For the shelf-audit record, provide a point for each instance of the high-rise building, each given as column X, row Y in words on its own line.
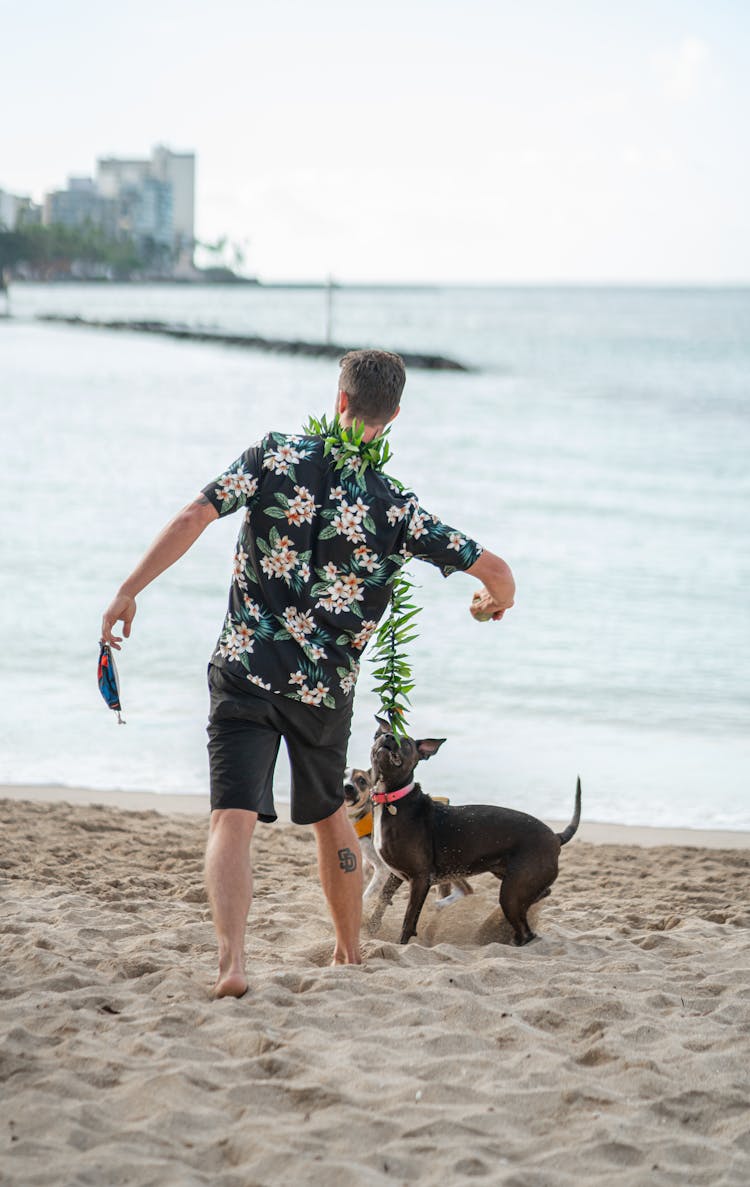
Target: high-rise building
column 159, row 197
column 15, row 211
column 79, row 206
column 151, row 200
column 178, row 171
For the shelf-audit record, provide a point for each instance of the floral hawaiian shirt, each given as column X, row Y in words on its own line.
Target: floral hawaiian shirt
column 316, row 557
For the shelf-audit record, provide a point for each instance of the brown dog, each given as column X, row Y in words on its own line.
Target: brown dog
column 358, row 786
column 423, row 842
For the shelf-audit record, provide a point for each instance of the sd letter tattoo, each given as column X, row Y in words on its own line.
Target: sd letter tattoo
column 347, row 861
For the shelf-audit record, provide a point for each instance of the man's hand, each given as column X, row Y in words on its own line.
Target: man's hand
column 498, row 588
column 121, row 609
column 484, row 607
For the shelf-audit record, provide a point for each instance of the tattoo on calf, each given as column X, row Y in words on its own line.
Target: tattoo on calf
column 347, row 861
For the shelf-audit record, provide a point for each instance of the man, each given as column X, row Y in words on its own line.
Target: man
column 324, row 536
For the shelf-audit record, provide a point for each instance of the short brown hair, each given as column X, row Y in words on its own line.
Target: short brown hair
column 373, row 380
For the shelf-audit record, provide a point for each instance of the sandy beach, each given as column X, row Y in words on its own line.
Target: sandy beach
column 615, row 1048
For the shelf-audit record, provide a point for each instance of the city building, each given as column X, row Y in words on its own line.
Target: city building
column 151, row 200
column 158, row 197
column 16, row 211
column 80, row 205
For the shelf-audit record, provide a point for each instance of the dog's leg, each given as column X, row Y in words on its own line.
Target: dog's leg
column 369, row 868
column 515, row 904
column 378, row 869
column 379, row 878
column 386, row 895
column 446, row 896
column 417, row 894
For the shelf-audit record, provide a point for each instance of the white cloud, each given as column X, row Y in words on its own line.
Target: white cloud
column 682, row 70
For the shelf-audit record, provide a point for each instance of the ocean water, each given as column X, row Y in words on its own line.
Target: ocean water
column 601, row 446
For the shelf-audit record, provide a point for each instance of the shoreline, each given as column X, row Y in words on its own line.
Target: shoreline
column 168, row 804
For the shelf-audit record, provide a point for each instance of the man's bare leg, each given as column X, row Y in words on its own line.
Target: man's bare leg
column 340, row 867
column 229, row 882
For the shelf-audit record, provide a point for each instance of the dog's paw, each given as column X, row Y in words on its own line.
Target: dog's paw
column 449, row 899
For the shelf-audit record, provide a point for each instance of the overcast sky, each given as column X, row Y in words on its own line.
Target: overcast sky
column 437, row 140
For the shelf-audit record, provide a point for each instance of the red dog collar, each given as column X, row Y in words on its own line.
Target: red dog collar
column 388, row 797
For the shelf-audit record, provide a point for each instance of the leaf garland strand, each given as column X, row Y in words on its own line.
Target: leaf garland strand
column 393, row 670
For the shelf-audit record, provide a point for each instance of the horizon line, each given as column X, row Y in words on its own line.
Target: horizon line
column 334, row 282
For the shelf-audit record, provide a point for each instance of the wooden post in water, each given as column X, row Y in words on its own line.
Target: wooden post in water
column 4, row 293
column 329, row 310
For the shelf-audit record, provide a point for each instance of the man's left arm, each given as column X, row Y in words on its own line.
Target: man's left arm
column 451, row 551
column 171, row 543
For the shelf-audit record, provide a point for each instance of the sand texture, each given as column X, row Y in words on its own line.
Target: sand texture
column 613, row 1050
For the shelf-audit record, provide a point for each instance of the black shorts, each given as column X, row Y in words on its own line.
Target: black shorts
column 245, row 728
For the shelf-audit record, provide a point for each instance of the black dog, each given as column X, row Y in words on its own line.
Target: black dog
column 423, row 842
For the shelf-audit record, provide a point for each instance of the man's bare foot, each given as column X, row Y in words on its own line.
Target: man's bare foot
column 344, row 958
column 230, row 985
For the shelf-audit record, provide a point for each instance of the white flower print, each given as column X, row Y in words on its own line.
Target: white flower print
column 417, row 524
column 315, row 652
column 337, row 492
column 304, row 571
column 348, row 520
column 252, row 608
column 348, row 681
column 366, row 559
column 360, row 640
column 228, row 648
column 301, row 508
column 279, row 460
column 347, row 525
column 456, row 541
column 236, row 640
column 310, row 696
column 330, row 571
column 299, row 624
column 313, row 696
column 238, row 571
column 260, row 683
column 235, row 484
column 396, row 513
column 244, row 634
column 282, row 560
column 340, row 595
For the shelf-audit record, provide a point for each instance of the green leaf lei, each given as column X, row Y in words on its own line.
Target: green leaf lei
column 393, row 670
column 349, row 447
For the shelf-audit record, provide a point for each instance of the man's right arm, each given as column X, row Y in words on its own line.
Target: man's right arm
column 171, row 543
column 499, row 587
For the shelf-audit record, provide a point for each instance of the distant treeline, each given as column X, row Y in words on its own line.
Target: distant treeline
column 54, row 252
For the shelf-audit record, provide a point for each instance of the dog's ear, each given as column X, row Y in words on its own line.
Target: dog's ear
column 426, row 747
column 384, row 726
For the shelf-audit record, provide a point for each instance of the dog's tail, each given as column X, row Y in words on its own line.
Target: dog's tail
column 572, row 828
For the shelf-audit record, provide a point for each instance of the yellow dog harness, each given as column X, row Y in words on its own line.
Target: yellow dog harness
column 363, row 827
